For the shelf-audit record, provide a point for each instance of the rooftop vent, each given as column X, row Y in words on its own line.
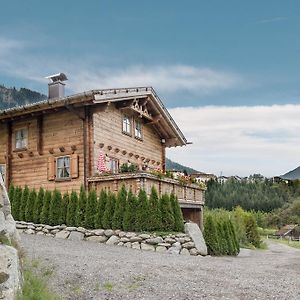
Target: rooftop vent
column 56, row 87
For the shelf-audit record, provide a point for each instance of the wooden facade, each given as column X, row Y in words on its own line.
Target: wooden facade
column 56, row 143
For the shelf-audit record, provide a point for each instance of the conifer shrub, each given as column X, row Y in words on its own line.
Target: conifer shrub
column 38, row 206
column 109, row 211
column 211, row 236
column 24, row 199
column 71, row 211
column 80, row 212
column 234, row 238
column 230, row 250
column 55, row 208
column 15, row 207
column 252, row 231
column 117, row 222
column 178, row 217
column 142, row 212
column 30, row 205
column 154, row 211
column 46, row 208
column 100, row 209
column 167, row 217
column 91, row 207
column 64, row 210
column 11, row 194
column 130, row 212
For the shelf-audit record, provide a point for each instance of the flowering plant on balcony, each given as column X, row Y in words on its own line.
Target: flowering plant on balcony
column 128, row 168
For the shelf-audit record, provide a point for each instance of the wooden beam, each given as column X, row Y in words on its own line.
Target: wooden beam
column 8, row 154
column 40, row 144
column 79, row 114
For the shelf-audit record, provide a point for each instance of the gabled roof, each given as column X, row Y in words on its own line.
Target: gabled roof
column 152, row 109
column 286, row 229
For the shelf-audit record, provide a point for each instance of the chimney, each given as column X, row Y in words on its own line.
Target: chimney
column 56, row 87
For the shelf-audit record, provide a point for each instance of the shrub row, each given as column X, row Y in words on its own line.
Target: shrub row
column 124, row 211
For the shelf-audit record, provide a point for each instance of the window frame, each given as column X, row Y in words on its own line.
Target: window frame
column 114, row 170
column 57, row 168
column 128, row 125
column 23, row 146
column 141, row 137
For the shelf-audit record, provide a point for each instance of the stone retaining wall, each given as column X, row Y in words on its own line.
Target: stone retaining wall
column 180, row 243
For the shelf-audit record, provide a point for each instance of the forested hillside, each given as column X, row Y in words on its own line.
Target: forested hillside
column 10, row 97
column 171, row 165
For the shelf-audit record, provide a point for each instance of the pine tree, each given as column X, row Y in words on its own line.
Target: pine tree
column 30, row 205
column 251, row 231
column 228, row 238
column 64, row 210
column 221, row 239
column 154, row 211
column 117, row 222
column 142, row 212
column 46, row 208
column 38, row 206
column 100, row 209
column 11, row 193
column 55, row 208
column 91, row 206
column 15, row 208
column 167, row 217
column 130, row 212
column 80, row 213
column 25, row 195
column 211, row 236
column 72, row 207
column 109, row 211
column 177, row 213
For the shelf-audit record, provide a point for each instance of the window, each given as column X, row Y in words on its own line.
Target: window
column 126, row 125
column 63, row 167
column 3, row 171
column 138, row 129
column 21, row 138
column 113, row 165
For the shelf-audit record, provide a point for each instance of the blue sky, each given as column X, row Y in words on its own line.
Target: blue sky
column 194, row 53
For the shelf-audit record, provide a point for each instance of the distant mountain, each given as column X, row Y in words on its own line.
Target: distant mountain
column 10, row 97
column 171, row 165
column 292, row 175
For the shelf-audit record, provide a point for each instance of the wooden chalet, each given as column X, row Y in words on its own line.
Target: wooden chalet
column 57, row 143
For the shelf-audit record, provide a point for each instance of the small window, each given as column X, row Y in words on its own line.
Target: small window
column 113, row 165
column 126, row 125
column 21, row 136
column 138, row 129
column 63, row 167
column 3, row 172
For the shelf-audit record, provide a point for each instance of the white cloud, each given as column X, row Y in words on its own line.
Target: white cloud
column 272, row 20
column 239, row 140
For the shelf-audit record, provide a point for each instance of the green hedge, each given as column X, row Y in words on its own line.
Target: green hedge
column 124, row 210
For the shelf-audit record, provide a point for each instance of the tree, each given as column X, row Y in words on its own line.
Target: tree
column 154, row 211
column 100, row 209
column 177, row 213
column 30, row 205
column 11, row 193
column 25, row 195
column 15, row 207
column 142, row 212
column 230, row 249
column 91, row 206
column 117, row 222
column 251, row 231
column 55, row 208
column 130, row 212
column 71, row 211
column 109, row 211
column 64, row 210
column 46, row 208
column 80, row 213
column 234, row 238
column 166, row 213
column 38, row 206
column 211, row 236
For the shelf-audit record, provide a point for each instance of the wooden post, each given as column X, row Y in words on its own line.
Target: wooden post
column 8, row 154
column 86, row 146
column 163, row 158
column 201, row 219
column 39, row 141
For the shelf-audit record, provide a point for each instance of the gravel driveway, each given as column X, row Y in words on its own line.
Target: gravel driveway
column 86, row 270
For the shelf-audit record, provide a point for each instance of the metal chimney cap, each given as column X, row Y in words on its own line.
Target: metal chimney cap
column 57, row 77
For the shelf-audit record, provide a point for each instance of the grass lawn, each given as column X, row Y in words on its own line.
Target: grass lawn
column 294, row 244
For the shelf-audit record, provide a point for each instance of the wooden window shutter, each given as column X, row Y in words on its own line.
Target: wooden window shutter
column 51, row 168
column 74, row 166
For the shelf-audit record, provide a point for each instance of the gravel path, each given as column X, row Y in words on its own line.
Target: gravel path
column 86, row 270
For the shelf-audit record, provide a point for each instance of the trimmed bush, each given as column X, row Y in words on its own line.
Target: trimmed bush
column 251, row 231
column 234, row 238
column 11, row 194
column 80, row 212
column 64, row 210
column 154, row 211
column 100, row 209
column 71, row 211
column 167, row 217
column 117, row 222
column 30, row 206
column 142, row 212
column 91, row 207
column 15, row 207
column 177, row 213
column 55, row 210
column 130, row 216
column 109, row 211
column 211, row 236
column 24, row 199
column 46, row 208
column 38, row 206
